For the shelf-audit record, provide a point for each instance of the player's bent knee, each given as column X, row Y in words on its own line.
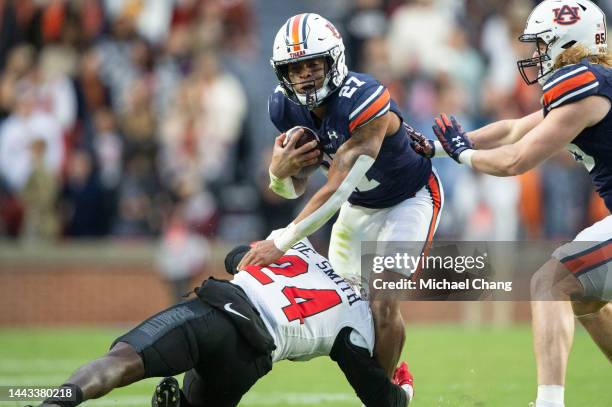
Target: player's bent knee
column 554, row 282
column 386, row 312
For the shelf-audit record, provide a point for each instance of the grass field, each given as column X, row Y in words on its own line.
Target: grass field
column 453, row 366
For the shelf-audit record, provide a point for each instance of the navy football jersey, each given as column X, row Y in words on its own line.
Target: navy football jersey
column 592, row 147
column 398, row 172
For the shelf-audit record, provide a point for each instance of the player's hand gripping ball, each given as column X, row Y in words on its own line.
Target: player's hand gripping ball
column 303, row 136
column 296, row 153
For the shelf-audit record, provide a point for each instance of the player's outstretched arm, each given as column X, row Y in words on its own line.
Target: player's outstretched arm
column 491, row 136
column 504, row 132
column 121, row 366
column 353, row 159
column 557, row 130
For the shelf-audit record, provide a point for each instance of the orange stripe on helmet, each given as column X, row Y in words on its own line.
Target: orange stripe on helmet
column 295, row 32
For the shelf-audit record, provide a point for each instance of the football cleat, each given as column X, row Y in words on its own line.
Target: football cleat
column 403, row 378
column 167, row 393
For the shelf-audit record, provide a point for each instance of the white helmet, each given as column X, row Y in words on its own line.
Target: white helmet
column 560, row 24
column 307, row 36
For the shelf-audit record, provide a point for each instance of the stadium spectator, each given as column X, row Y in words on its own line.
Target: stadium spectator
column 418, row 35
column 117, row 66
column 26, row 123
column 83, row 199
column 182, row 254
column 154, row 68
column 108, row 149
column 136, row 215
column 366, row 20
column 56, row 94
column 18, row 66
column 39, row 196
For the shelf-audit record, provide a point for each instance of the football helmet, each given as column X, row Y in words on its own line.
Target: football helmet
column 308, row 36
column 559, row 24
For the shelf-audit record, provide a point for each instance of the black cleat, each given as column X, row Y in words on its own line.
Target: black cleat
column 167, row 393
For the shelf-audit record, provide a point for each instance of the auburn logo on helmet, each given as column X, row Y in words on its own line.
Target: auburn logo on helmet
column 566, row 15
column 335, row 32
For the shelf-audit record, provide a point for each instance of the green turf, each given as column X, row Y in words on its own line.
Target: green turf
column 453, row 366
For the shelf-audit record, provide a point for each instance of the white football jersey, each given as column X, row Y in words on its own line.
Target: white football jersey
column 304, row 304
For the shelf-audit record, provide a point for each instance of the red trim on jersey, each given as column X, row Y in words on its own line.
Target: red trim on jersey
column 567, row 85
column 590, row 259
column 436, row 197
column 379, row 103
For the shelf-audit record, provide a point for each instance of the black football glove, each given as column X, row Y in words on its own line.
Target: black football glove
column 451, row 136
column 419, row 143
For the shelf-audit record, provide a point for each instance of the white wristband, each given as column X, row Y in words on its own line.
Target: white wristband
column 439, row 150
column 287, row 238
column 282, row 186
column 466, row 157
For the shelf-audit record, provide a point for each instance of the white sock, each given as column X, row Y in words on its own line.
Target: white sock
column 409, row 391
column 550, row 395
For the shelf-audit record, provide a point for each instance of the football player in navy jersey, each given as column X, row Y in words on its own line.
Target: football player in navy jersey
column 575, row 69
column 383, row 189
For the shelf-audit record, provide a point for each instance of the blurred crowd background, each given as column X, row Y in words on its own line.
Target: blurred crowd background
column 147, row 119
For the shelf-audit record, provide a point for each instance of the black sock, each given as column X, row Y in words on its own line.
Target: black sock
column 69, row 395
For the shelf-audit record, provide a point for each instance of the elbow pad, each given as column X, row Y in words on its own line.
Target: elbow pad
column 296, row 232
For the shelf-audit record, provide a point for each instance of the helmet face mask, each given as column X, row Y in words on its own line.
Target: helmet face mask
column 302, row 38
column 309, row 92
column 560, row 24
column 542, row 62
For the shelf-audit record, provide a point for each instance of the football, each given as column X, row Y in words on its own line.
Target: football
column 307, row 136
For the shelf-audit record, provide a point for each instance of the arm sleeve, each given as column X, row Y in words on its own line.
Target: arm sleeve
column 367, row 378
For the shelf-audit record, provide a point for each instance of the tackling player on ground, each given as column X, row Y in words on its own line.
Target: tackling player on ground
column 229, row 337
column 383, row 189
column 575, row 69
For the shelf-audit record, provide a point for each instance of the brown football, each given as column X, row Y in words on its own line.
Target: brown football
column 307, row 136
